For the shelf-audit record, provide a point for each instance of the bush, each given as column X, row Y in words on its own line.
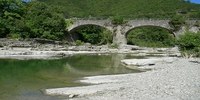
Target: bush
column 69, row 22
column 79, row 42
column 117, row 20
column 114, row 45
column 150, row 37
column 177, row 22
column 94, row 35
column 189, row 44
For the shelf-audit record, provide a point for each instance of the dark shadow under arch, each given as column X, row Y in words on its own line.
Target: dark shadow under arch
column 72, row 35
column 162, row 37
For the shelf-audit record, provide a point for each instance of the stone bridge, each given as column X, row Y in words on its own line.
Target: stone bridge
column 120, row 31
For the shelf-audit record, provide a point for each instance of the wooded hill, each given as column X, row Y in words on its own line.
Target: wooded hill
column 126, row 8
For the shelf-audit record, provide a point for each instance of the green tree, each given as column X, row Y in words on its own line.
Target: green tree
column 43, row 21
column 11, row 12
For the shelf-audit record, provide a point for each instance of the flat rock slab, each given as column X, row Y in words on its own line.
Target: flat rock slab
column 148, row 61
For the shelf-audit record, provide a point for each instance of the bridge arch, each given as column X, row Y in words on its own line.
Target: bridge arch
column 156, row 26
column 163, row 36
column 90, row 33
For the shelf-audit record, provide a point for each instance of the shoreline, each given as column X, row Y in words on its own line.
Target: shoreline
column 43, row 49
column 178, row 80
column 30, row 53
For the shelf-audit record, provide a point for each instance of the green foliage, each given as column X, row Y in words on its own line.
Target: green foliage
column 11, row 12
column 106, row 37
column 124, row 8
column 177, row 22
column 43, row 21
column 150, row 37
column 114, row 45
column 78, row 42
column 69, row 22
column 94, row 34
column 117, row 20
column 30, row 20
column 189, row 43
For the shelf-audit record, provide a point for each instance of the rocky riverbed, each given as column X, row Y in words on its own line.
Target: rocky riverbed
column 39, row 48
column 178, row 80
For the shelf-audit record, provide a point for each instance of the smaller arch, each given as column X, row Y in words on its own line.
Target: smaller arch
column 163, row 36
column 135, row 27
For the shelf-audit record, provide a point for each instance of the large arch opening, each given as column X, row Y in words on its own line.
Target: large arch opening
column 150, row 36
column 93, row 34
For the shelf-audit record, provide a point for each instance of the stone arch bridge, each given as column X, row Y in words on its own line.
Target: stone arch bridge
column 120, row 31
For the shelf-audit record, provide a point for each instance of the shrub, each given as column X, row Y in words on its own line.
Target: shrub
column 79, row 42
column 69, row 22
column 177, row 22
column 189, row 44
column 117, row 20
column 114, row 45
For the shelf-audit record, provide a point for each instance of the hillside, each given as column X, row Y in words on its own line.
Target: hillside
column 125, row 8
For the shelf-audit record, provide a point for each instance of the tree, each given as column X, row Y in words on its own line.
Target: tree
column 43, row 21
column 11, row 12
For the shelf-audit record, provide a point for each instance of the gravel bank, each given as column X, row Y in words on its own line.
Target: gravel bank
column 179, row 80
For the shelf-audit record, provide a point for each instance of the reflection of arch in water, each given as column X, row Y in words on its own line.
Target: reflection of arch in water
column 114, row 67
column 81, row 72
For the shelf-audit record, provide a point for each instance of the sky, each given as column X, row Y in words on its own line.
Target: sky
column 195, row 1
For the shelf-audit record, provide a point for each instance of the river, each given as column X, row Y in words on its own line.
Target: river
column 25, row 79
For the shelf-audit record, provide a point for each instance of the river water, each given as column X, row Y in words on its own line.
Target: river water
column 25, row 79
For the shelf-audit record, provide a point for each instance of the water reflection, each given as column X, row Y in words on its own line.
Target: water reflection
column 23, row 79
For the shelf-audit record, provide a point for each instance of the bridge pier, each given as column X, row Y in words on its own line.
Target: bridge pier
column 119, row 38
